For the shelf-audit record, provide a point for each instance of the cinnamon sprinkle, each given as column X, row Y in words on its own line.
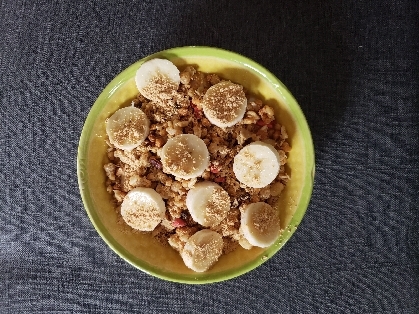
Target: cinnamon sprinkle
column 223, row 100
column 138, row 213
column 133, row 130
column 266, row 218
column 216, row 207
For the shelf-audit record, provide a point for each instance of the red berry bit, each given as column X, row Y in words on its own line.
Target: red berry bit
column 178, row 222
column 155, row 163
column 270, row 124
column 220, row 179
column 214, row 169
column 260, row 122
column 196, row 111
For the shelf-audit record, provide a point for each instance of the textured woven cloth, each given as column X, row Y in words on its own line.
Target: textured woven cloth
column 353, row 67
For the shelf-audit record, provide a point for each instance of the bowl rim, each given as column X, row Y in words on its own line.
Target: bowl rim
column 190, row 51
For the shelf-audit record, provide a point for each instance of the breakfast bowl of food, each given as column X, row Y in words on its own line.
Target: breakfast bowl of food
column 195, row 165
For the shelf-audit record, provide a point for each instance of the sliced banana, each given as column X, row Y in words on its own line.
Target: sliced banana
column 260, row 224
column 244, row 243
column 257, row 164
column 224, row 104
column 202, row 250
column 208, row 203
column 157, row 79
column 185, row 156
column 143, row 209
column 127, row 128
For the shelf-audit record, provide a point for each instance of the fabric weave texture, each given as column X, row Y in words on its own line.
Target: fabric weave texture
column 353, row 66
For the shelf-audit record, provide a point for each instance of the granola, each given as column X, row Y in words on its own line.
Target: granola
column 181, row 112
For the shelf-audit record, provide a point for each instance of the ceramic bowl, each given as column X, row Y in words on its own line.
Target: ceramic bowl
column 142, row 250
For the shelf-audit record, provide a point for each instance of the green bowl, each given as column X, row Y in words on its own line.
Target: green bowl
column 142, row 250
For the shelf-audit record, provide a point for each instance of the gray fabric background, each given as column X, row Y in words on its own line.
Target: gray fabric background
column 353, row 67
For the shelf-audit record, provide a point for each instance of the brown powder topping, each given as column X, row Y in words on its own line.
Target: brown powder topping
column 203, row 252
column 127, row 126
column 254, row 167
column 141, row 214
column 224, row 101
column 265, row 219
column 183, row 159
column 163, row 95
column 160, row 88
column 132, row 132
column 230, row 225
column 217, row 207
column 184, row 155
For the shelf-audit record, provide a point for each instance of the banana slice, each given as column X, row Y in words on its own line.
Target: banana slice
column 143, row 209
column 208, row 203
column 185, row 156
column 260, row 224
column 224, row 104
column 157, row 79
column 202, row 250
column 257, row 164
column 127, row 128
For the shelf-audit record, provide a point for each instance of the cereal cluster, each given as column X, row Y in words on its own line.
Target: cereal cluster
column 181, row 112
